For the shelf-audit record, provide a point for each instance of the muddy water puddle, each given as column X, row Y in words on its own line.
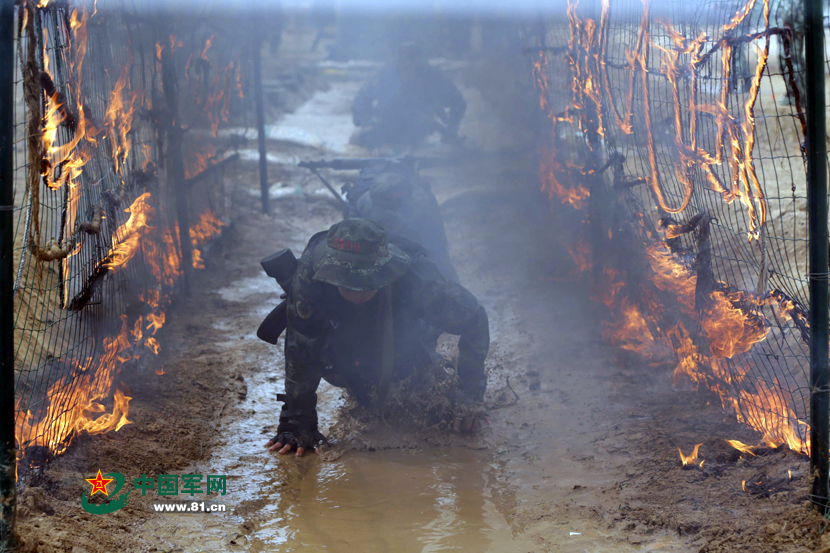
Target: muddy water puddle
column 436, row 499
column 430, row 500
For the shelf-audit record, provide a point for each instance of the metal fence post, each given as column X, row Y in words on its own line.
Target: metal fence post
column 256, row 46
column 7, row 454
column 175, row 159
column 817, row 202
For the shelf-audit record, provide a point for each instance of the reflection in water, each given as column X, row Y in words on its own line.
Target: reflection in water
column 438, row 499
column 435, row 500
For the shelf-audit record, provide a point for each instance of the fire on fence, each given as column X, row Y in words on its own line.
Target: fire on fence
column 674, row 115
column 98, row 239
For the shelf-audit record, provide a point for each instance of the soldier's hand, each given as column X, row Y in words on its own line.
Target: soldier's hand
column 285, row 442
column 287, row 448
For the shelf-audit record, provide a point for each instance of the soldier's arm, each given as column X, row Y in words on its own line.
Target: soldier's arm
column 363, row 107
column 453, row 102
column 303, row 366
column 451, row 308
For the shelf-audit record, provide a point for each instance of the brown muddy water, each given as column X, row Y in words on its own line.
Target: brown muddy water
column 401, row 500
column 433, row 499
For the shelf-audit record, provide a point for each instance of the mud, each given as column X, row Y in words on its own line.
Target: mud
column 580, row 453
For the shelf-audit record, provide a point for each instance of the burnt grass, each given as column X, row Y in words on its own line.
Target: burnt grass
column 734, row 502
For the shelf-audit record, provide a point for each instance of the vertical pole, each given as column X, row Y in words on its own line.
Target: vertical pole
column 175, row 159
column 7, row 455
column 817, row 202
column 256, row 48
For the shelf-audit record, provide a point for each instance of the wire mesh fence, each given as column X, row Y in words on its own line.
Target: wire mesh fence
column 118, row 187
column 676, row 130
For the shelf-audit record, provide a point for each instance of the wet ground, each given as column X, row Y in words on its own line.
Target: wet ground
column 580, row 454
column 392, row 494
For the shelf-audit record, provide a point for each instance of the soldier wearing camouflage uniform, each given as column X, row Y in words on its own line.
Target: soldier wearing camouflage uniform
column 405, row 103
column 359, row 306
column 408, row 210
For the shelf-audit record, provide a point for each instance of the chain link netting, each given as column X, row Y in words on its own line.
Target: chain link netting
column 676, row 131
column 109, row 101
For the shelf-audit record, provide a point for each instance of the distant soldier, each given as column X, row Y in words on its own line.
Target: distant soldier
column 358, row 310
column 405, row 103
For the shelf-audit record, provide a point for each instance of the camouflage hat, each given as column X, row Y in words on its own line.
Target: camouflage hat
column 358, row 256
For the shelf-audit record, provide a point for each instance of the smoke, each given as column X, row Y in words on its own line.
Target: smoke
column 492, row 8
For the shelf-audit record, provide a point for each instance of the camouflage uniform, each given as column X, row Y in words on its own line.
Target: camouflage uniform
column 329, row 337
column 404, row 104
column 408, row 211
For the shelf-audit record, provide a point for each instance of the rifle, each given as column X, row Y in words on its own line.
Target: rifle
column 409, row 165
column 406, row 162
column 280, row 266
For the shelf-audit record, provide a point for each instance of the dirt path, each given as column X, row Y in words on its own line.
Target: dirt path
column 585, row 460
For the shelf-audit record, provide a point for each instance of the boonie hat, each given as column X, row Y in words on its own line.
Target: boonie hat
column 358, row 256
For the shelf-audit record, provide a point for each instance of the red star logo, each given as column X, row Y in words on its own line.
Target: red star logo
column 99, row 484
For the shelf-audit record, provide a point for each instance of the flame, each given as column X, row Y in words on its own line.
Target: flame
column 108, row 421
column 118, row 120
column 137, row 331
column 742, row 447
column 153, row 345
column 159, row 371
column 709, row 356
column 690, row 458
column 630, row 331
column 205, row 228
column 551, row 170
column 208, row 226
column 731, row 330
column 88, row 397
column 768, row 410
column 213, row 96
column 198, row 262
column 609, row 287
column 63, row 163
column 74, row 402
column 199, row 158
column 591, row 92
column 155, row 322
column 131, row 233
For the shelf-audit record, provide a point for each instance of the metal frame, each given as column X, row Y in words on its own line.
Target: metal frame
column 817, row 202
column 7, row 452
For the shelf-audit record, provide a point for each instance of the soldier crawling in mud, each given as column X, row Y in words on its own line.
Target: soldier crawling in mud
column 405, row 103
column 359, row 311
